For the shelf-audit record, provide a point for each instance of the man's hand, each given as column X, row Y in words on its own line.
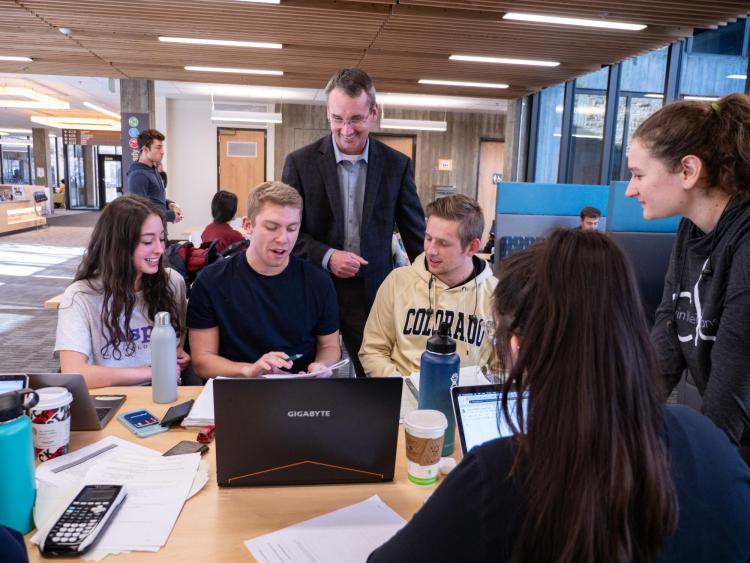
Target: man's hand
column 321, row 367
column 345, row 264
column 177, row 211
column 183, row 358
column 271, row 362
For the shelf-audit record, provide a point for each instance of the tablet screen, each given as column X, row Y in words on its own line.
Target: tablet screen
column 477, row 414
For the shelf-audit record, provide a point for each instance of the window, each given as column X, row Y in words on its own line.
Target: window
column 587, row 142
column 548, row 138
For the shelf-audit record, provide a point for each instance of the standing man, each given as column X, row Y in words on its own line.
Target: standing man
column 590, row 219
column 144, row 178
column 355, row 189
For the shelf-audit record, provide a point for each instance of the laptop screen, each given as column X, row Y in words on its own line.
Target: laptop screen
column 478, row 414
column 12, row 382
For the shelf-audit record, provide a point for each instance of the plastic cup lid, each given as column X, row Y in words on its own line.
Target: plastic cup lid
column 426, row 421
column 52, row 398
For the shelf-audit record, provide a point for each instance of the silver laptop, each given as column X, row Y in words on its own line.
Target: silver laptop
column 479, row 417
column 88, row 412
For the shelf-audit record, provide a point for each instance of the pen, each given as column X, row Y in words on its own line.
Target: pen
column 293, row 357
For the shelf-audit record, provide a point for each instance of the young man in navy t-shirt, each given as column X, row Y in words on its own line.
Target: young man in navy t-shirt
column 264, row 310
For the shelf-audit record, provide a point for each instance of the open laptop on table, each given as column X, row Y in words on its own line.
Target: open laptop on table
column 306, row 431
column 88, row 412
column 479, row 417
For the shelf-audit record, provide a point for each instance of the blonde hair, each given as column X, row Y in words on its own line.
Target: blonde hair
column 272, row 192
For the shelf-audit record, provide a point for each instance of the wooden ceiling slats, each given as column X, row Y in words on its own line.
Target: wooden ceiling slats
column 397, row 41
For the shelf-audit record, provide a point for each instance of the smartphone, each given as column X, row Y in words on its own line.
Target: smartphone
column 177, row 413
column 141, row 423
column 186, row 447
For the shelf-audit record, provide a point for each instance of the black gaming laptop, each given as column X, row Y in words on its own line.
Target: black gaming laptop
column 306, row 431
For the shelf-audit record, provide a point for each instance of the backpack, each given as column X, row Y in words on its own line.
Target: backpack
column 188, row 260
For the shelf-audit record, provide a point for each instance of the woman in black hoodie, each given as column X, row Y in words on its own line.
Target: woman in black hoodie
column 693, row 159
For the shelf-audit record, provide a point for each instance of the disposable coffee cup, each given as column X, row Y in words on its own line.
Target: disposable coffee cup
column 424, row 432
column 50, row 422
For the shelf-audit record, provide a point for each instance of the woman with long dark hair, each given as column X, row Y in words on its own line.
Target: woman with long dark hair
column 693, row 159
column 106, row 315
column 598, row 469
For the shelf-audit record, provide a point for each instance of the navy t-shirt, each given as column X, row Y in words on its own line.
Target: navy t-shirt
column 475, row 514
column 257, row 314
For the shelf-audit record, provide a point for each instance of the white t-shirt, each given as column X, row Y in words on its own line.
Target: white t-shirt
column 79, row 324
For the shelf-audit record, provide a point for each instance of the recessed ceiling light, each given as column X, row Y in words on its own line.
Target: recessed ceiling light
column 11, row 130
column 101, row 109
column 221, row 42
column 32, row 99
column 461, row 83
column 17, row 59
column 538, row 18
column 502, row 60
column 93, row 123
column 413, row 124
column 737, row 76
column 235, row 70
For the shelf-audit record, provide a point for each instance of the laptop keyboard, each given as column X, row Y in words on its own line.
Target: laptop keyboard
column 101, row 412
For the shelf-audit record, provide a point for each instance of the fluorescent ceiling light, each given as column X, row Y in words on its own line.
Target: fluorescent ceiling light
column 701, row 98
column 92, row 123
column 101, row 109
column 235, row 70
column 419, row 124
column 16, row 143
column 246, row 116
column 17, row 59
column 538, row 18
column 657, row 96
column 737, row 76
column 221, row 42
column 32, row 99
column 502, row 60
column 263, row 1
column 10, row 130
column 460, row 83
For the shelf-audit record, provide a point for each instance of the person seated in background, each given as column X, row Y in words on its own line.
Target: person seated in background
column 445, row 283
column 598, row 468
column 264, row 310
column 590, row 217
column 106, row 315
column 489, row 247
column 223, row 210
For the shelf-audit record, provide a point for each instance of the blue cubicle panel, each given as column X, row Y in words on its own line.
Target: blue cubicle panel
column 626, row 215
column 523, row 198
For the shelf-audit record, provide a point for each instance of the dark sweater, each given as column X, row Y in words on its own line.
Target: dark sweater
column 703, row 321
column 145, row 180
column 475, row 514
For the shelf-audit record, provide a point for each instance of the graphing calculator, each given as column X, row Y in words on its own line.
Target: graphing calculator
column 83, row 521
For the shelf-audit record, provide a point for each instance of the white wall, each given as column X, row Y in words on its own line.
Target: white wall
column 192, row 166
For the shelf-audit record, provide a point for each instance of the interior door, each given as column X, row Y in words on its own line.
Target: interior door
column 405, row 144
column 110, row 176
column 491, row 154
column 242, row 162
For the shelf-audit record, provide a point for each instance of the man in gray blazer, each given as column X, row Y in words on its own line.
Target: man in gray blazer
column 355, row 190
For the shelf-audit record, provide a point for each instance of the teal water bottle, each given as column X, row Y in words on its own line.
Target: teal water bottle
column 438, row 373
column 17, row 488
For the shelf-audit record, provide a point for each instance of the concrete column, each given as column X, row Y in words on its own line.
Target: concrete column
column 40, row 137
column 137, row 96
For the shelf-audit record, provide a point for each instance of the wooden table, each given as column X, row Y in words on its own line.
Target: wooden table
column 53, row 302
column 214, row 523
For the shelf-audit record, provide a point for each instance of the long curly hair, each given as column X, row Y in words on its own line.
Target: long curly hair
column 107, row 267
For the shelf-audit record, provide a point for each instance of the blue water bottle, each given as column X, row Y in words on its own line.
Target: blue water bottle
column 438, row 373
column 17, row 488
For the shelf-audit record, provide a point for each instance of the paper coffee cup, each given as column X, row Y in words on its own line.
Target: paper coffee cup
column 424, row 433
column 50, row 422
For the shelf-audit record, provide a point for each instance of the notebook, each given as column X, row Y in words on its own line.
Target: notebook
column 306, row 431
column 478, row 414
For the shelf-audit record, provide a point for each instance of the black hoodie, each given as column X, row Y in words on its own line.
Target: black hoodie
column 145, row 180
column 703, row 322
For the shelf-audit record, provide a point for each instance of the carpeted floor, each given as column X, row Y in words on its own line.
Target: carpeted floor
column 63, row 218
column 34, row 266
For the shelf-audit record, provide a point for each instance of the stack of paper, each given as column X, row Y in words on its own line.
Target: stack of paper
column 346, row 535
column 202, row 412
column 156, row 486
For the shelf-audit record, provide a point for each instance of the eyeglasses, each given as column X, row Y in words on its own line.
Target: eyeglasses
column 354, row 121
